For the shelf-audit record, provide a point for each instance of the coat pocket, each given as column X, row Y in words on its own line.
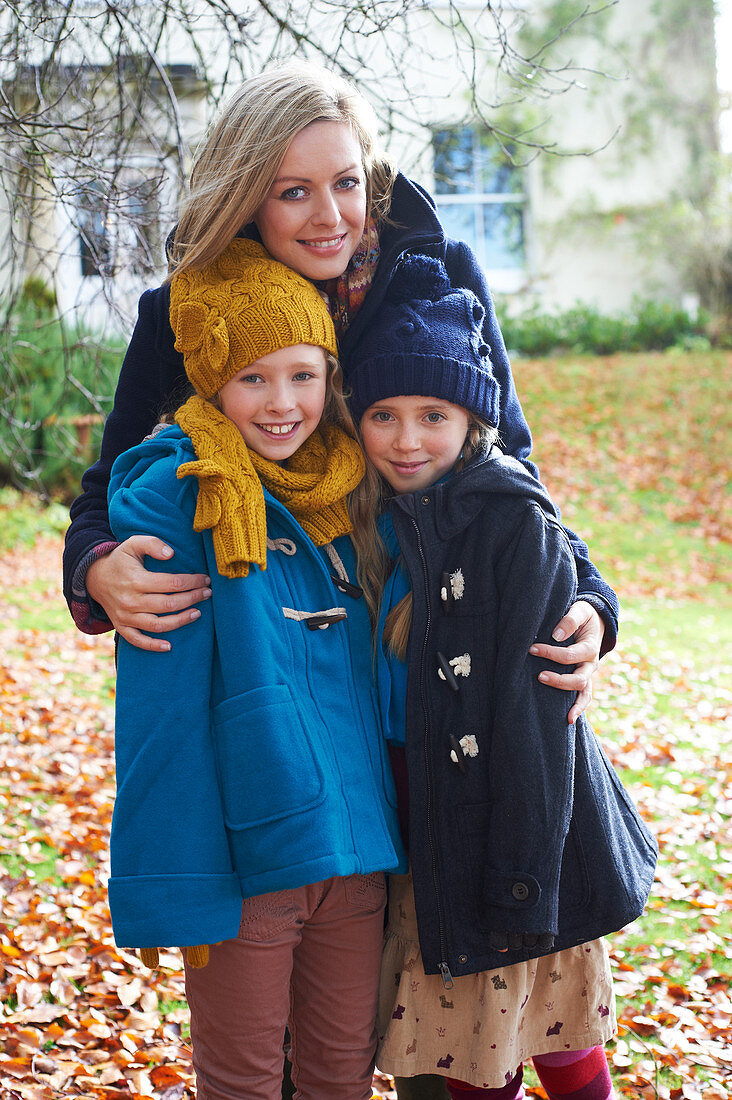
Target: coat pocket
column 621, row 852
column 267, row 764
column 574, row 880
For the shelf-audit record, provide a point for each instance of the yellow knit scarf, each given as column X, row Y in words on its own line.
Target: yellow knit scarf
column 313, row 485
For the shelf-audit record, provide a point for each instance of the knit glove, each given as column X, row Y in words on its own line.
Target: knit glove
column 196, row 956
column 514, row 941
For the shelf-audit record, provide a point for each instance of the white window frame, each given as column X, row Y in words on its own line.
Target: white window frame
column 502, row 279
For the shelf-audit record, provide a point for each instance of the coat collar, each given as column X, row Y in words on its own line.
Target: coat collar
column 456, row 501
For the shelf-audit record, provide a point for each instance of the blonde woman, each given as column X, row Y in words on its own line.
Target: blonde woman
column 292, row 163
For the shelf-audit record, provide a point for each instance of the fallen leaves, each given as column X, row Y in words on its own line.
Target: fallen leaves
column 80, row 1017
column 664, row 717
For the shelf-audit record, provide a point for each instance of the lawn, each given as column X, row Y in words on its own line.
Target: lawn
column 632, row 449
column 635, row 448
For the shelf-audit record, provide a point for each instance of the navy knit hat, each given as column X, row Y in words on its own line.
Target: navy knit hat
column 426, row 339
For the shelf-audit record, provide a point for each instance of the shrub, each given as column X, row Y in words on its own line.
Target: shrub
column 24, row 517
column 56, row 388
column 649, row 326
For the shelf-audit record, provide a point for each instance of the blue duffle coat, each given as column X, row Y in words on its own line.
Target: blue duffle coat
column 250, row 756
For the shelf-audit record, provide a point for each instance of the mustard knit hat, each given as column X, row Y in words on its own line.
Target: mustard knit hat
column 240, row 307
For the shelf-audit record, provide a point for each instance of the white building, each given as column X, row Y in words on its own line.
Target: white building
column 551, row 229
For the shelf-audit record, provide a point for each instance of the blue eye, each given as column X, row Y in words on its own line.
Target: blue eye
column 348, row 182
column 293, row 193
column 251, row 378
column 303, row 376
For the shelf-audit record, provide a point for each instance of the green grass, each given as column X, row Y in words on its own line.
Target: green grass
column 660, row 704
column 38, row 869
column 696, row 630
column 635, row 450
column 645, row 551
column 24, row 518
column 168, row 1007
column 38, row 859
column 33, row 611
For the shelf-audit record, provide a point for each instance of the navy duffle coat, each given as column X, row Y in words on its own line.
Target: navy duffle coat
column 517, row 821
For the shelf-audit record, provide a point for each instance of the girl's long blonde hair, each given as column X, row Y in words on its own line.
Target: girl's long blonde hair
column 366, row 504
column 245, row 147
column 335, row 409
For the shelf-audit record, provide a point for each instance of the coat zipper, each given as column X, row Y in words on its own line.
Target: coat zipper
column 447, row 979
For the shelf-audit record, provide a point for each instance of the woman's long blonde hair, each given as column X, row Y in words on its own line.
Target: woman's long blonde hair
column 245, row 147
column 366, row 504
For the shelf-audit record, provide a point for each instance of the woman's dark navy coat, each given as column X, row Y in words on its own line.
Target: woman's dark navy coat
column 152, row 375
column 531, row 832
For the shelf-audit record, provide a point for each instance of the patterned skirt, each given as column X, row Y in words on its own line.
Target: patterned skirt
column 482, row 1029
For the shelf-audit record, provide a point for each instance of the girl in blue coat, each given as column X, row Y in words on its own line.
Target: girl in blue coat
column 255, row 809
column 524, row 848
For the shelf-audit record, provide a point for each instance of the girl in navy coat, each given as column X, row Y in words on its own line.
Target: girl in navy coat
column 255, row 809
column 524, row 847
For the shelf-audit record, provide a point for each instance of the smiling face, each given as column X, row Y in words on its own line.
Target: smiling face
column 277, row 402
column 314, row 215
column 413, row 441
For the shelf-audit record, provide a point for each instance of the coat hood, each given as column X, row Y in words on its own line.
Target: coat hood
column 482, row 484
column 413, row 226
column 169, row 445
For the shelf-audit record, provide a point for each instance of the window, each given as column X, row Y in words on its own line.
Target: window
column 480, row 199
column 141, row 223
column 94, row 243
column 119, row 225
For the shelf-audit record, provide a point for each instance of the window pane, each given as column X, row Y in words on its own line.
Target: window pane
column 468, row 162
column 503, row 234
column 142, row 218
column 94, row 247
column 453, row 164
column 458, row 221
column 494, row 172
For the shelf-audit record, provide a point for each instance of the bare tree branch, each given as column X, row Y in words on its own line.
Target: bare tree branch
column 100, row 101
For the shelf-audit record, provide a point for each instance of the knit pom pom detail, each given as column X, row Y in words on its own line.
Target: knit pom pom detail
column 422, row 278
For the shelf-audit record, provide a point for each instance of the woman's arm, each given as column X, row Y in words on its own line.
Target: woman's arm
column 104, row 584
column 594, row 618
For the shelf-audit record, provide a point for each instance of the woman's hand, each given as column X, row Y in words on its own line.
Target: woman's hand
column 136, row 599
column 588, row 628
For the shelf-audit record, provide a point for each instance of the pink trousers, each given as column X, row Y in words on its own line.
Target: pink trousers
column 307, row 958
